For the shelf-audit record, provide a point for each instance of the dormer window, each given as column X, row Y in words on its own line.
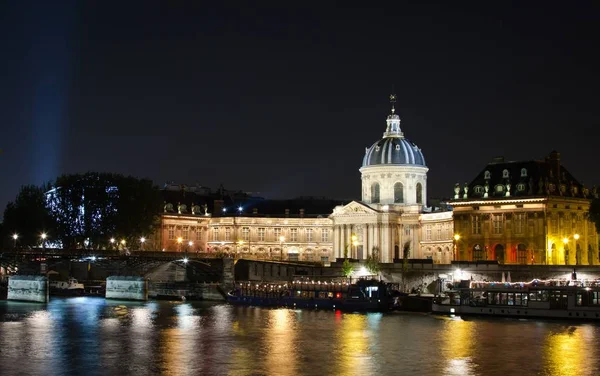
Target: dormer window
column 523, row 172
column 563, row 188
column 505, row 174
column 376, row 148
column 499, row 188
column 478, row 189
column 397, row 147
column 487, row 175
column 551, row 187
column 520, row 187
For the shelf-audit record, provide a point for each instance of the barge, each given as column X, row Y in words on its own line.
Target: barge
column 551, row 299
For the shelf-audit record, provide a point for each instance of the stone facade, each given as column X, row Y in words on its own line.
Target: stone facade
column 530, row 212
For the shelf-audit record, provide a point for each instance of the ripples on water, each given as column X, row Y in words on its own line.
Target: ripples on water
column 93, row 336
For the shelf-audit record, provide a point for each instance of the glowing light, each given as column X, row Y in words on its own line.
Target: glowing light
column 93, row 258
column 179, row 240
column 185, row 260
column 123, row 241
column 190, row 243
column 354, row 238
column 565, row 240
column 240, row 209
column 456, row 237
column 15, row 236
column 576, row 236
column 44, row 235
column 386, row 207
column 112, row 240
column 224, row 210
column 282, row 239
column 142, row 239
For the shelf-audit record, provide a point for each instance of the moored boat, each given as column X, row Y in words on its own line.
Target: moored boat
column 363, row 295
column 553, row 299
column 67, row 288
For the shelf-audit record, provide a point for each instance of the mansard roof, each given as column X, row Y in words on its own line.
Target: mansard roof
column 533, row 178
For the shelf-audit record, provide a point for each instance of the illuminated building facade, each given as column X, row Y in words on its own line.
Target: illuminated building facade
column 393, row 212
column 532, row 212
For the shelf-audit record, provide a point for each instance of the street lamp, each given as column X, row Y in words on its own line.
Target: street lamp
column 123, row 242
column 566, row 250
column 456, row 239
column 179, row 241
column 190, row 244
column 15, row 237
column 239, row 244
column 142, row 241
column 577, row 255
column 354, row 241
column 281, row 241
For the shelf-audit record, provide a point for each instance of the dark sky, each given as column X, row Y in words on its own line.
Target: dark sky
column 283, row 100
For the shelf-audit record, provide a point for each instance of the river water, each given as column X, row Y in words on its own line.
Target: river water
column 93, row 336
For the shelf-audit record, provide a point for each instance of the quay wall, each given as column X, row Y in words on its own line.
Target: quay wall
column 28, row 288
column 127, row 288
column 196, row 291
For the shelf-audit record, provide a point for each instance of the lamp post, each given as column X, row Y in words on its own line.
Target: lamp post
column 566, row 248
column 456, row 239
column 354, row 242
column 577, row 255
column 112, row 242
column 15, row 237
column 281, row 241
column 142, row 241
column 237, row 249
column 44, row 236
column 179, row 241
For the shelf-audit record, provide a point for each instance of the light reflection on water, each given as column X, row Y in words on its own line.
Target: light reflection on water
column 93, row 336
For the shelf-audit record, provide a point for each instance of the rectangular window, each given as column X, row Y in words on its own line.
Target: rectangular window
column 198, row 234
column 519, row 223
column 428, row 232
column 325, row 235
column 293, row 234
column 227, row 233
column 186, row 232
column 439, row 233
column 171, row 232
column 215, row 234
column 407, row 230
column 245, row 233
column 277, row 233
column 476, row 225
column 292, row 256
column 309, row 235
column 554, row 225
column 261, row 234
column 498, row 224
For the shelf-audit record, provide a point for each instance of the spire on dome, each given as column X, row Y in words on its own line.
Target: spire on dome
column 393, row 121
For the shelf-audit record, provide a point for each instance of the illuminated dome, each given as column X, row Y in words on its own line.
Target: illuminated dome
column 393, row 148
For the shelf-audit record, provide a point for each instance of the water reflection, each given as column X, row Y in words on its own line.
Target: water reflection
column 281, row 355
column 352, row 347
column 567, row 352
column 458, row 347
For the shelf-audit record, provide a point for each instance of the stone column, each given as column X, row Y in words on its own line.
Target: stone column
column 384, row 248
column 365, row 244
column 342, row 240
column 335, row 241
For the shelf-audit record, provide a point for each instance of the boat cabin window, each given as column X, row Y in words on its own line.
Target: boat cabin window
column 588, row 298
column 558, row 299
column 507, row 298
column 372, row 291
column 538, row 296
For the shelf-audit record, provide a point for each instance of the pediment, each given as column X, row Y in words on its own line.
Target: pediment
column 354, row 207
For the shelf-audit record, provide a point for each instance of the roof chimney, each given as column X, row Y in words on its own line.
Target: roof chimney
column 301, row 213
column 553, row 160
column 287, row 213
column 217, row 208
column 254, row 211
column 499, row 159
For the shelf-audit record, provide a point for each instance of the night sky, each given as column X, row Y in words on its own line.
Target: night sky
column 283, row 100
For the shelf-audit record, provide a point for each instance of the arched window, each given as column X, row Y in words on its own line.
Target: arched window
column 505, row 174
column 398, row 193
column 419, row 193
column 375, row 193
column 523, row 172
column 487, row 175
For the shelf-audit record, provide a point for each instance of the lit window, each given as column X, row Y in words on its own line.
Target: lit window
column 245, row 233
column 478, row 189
column 476, row 225
column 498, row 224
column 523, row 172
column 505, row 174
column 519, row 220
column 198, row 233
column 397, row 147
column 398, row 193
column 227, row 234
column 261, row 234
column 186, row 232
column 277, row 233
column 499, row 188
column 428, row 232
column 487, row 175
column 520, row 187
column 171, row 232
column 293, row 234
column 325, row 235
column 309, row 235
column 215, row 234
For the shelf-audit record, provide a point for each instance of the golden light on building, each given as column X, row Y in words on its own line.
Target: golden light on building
column 456, row 237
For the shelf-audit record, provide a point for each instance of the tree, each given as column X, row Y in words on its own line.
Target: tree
column 594, row 213
column 91, row 208
column 28, row 217
column 347, row 268
column 372, row 261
